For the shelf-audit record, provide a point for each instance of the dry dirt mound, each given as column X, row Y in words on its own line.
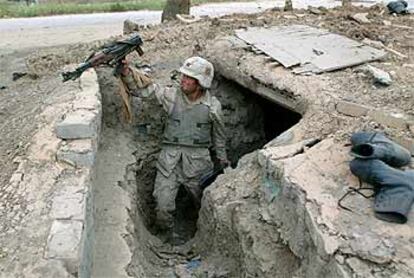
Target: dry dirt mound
column 174, row 41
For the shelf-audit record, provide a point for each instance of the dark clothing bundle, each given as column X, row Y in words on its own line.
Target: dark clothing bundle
column 398, row 7
column 375, row 159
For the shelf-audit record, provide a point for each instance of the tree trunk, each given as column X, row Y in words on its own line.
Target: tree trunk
column 173, row 7
column 288, row 5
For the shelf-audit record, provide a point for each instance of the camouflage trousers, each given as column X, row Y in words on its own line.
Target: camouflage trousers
column 165, row 193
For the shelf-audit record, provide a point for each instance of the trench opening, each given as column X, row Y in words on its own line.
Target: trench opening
column 250, row 120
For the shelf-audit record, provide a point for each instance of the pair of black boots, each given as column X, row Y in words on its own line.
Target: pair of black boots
column 375, row 159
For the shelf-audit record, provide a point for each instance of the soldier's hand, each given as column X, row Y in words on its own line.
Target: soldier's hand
column 224, row 163
column 125, row 67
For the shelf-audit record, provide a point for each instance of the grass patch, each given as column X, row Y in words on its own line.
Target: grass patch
column 13, row 9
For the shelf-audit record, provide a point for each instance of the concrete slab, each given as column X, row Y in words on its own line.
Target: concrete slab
column 63, row 242
column 310, row 49
column 69, row 204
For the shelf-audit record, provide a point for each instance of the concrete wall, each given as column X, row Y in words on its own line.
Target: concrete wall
column 72, row 233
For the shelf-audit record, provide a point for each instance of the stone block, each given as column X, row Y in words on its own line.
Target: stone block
column 89, row 83
column 351, row 109
column 51, row 268
column 396, row 120
column 64, row 242
column 77, row 125
column 81, row 177
column 361, row 18
column 69, row 203
column 87, row 102
column 79, row 153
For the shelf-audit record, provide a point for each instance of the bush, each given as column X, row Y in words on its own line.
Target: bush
column 117, row 7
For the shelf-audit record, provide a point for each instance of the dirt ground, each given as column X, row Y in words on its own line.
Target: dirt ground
column 169, row 44
column 173, row 41
column 22, row 100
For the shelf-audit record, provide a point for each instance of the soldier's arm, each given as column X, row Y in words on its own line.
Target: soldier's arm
column 219, row 134
column 164, row 95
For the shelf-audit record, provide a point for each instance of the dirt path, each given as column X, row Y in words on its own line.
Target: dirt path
column 59, row 30
column 24, row 33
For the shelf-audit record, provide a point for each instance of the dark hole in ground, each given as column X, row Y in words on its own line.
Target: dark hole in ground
column 277, row 118
column 251, row 121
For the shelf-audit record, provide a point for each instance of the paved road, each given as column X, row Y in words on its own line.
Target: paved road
column 26, row 33
column 21, row 33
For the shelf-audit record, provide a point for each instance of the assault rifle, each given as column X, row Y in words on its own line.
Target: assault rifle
column 110, row 54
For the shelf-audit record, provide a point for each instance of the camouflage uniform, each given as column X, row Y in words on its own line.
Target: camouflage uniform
column 192, row 128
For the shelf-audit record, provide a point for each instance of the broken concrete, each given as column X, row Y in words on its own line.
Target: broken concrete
column 351, row 109
column 293, row 195
column 78, row 153
column 380, row 76
column 361, row 18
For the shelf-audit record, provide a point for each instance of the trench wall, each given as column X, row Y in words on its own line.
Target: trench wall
column 71, row 235
column 53, row 229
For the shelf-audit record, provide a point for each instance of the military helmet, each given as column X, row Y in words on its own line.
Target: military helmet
column 200, row 69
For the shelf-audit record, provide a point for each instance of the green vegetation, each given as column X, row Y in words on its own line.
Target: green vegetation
column 20, row 9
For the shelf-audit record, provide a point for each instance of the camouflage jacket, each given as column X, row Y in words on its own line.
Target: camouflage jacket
column 195, row 160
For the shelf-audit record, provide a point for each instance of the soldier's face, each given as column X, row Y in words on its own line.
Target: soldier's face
column 188, row 84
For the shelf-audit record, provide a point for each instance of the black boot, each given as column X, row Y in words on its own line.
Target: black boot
column 371, row 145
column 394, row 188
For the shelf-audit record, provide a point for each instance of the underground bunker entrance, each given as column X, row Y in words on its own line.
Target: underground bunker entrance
column 127, row 158
column 250, row 120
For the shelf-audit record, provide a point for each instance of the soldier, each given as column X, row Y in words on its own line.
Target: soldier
column 194, row 125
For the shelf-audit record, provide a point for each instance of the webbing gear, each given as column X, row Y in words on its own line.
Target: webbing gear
column 189, row 126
